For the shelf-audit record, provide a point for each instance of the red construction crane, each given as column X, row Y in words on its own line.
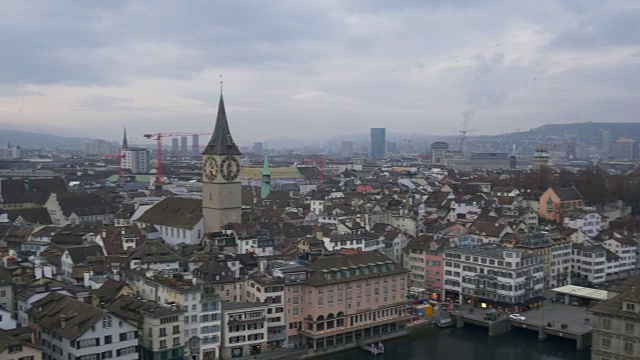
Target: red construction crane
column 158, row 138
column 320, row 163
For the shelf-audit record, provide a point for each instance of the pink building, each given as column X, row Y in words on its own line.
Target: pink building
column 337, row 299
column 423, row 256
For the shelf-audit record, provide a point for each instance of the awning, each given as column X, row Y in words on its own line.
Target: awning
column 582, row 292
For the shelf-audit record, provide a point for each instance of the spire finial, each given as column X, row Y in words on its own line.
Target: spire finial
column 220, row 84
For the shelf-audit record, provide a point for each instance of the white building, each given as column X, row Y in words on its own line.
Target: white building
column 264, row 289
column 177, row 219
column 360, row 242
column 245, row 329
column 556, row 254
column 136, row 160
column 591, row 223
column 71, row 329
column 201, row 307
column 623, row 263
column 10, row 152
column 493, row 276
column 589, row 263
column 28, row 295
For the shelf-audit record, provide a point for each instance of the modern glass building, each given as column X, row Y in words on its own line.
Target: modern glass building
column 378, row 143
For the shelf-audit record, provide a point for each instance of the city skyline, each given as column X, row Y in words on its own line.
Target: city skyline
column 411, row 67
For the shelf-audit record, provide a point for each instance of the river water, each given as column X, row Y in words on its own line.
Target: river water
column 472, row 342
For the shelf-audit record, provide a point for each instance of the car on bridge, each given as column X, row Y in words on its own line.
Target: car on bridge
column 517, row 317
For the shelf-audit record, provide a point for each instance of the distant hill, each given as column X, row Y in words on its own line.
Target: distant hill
column 32, row 140
column 584, row 131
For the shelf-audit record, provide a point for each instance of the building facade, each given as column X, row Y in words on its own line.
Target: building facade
column 378, row 143
column 337, row 299
column 245, row 329
column 493, row 276
column 616, row 327
column 70, row 329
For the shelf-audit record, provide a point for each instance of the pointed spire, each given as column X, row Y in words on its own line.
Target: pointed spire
column 221, row 142
column 125, row 143
column 265, row 165
column 265, row 189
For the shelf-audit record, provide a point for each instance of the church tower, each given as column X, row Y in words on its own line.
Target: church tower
column 265, row 189
column 221, row 188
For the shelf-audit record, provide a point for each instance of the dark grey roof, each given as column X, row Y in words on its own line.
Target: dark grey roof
column 49, row 312
column 81, row 254
column 176, row 212
column 221, row 142
column 568, row 194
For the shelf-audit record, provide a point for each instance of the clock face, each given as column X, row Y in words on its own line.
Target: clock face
column 230, row 168
column 210, row 169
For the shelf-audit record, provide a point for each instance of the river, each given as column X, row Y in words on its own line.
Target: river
column 472, row 342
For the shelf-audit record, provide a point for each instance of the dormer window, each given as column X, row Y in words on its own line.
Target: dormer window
column 549, row 205
column 630, row 307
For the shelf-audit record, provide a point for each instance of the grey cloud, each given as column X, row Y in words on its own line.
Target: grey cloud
column 102, row 103
column 621, row 27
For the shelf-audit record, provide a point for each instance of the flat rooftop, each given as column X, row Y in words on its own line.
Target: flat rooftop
column 583, row 292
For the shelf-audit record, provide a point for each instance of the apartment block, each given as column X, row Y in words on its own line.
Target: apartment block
column 245, row 329
column 338, row 299
column 493, row 276
column 70, row 329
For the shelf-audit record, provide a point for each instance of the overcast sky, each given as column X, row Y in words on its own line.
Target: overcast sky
column 309, row 69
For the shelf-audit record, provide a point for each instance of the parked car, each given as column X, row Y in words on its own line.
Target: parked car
column 517, row 317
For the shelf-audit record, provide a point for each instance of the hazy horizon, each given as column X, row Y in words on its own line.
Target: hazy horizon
column 316, row 69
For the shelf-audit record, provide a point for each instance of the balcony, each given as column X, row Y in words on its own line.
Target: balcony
column 246, row 321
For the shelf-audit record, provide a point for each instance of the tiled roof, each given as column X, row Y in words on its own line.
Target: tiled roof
column 55, row 309
column 109, row 289
column 82, row 254
column 7, row 340
column 154, row 251
column 568, row 194
column 177, row 212
column 30, row 190
column 83, row 204
column 336, row 262
column 30, row 215
column 492, row 229
column 630, row 293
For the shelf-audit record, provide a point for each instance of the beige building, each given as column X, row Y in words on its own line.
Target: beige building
column 337, row 299
column 616, row 329
column 12, row 348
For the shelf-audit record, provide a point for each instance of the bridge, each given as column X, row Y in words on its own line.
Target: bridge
column 577, row 319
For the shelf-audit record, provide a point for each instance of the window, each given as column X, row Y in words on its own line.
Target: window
column 606, row 324
column 126, row 351
column 176, row 329
column 87, row 343
column 107, row 339
column 630, row 307
column 106, row 322
column 15, row 349
column 163, row 344
column 628, row 347
column 630, row 328
column 163, row 332
column 107, row 355
column 606, row 343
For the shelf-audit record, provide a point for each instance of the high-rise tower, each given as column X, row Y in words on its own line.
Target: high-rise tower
column 378, row 143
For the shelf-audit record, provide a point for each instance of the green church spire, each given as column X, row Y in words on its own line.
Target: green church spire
column 265, row 190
